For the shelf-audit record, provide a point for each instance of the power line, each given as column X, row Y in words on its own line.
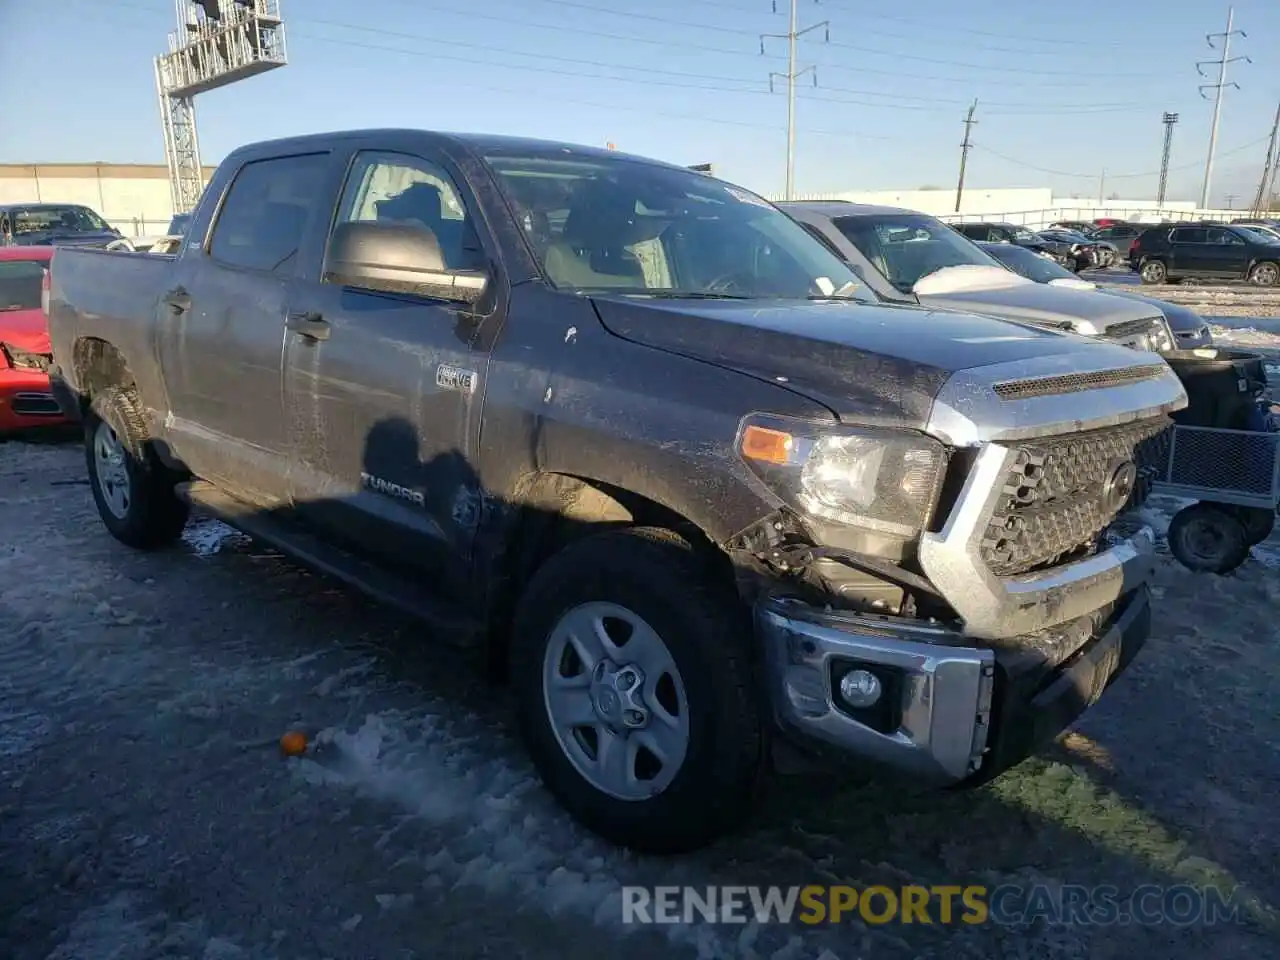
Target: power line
column 1218, row 87
column 1113, row 176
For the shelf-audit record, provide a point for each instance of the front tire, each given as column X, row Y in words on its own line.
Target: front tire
column 133, row 491
column 630, row 663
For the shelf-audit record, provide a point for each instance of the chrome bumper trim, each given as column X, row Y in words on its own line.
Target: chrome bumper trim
column 946, row 696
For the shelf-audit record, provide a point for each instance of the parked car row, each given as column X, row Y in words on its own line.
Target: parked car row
column 1071, row 249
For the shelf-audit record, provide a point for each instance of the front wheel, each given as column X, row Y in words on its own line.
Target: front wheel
column 630, row 662
column 133, row 491
column 1154, row 271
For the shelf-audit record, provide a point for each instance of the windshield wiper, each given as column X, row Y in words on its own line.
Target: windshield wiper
column 686, row 295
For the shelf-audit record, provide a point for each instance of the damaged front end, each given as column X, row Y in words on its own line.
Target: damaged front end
column 968, row 608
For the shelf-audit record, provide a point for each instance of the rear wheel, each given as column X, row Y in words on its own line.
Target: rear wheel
column 133, row 491
column 1265, row 274
column 1154, row 271
column 632, row 679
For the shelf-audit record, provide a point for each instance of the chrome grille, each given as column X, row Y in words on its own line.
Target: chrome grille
column 1053, row 505
column 1133, row 328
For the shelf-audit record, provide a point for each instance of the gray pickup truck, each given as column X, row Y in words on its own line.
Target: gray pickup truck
column 623, row 428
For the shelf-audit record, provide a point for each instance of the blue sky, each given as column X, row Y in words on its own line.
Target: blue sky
column 1064, row 90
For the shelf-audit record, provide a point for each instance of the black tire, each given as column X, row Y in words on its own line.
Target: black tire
column 1265, row 274
column 658, row 576
column 1258, row 523
column 1208, row 538
column 1153, row 272
column 153, row 515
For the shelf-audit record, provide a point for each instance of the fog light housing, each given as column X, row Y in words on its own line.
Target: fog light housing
column 861, row 689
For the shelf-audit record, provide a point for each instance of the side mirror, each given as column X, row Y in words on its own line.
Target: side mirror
column 397, row 258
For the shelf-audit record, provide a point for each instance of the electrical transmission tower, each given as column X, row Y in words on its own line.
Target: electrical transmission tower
column 1262, row 199
column 1169, row 120
column 1218, row 87
column 217, row 42
column 964, row 151
column 792, row 74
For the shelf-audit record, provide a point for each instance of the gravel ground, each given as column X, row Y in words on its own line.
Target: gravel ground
column 146, row 812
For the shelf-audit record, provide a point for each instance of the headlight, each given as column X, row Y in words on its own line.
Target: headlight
column 878, row 480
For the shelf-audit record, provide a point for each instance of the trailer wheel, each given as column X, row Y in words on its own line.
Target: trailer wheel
column 1209, row 538
column 1258, row 523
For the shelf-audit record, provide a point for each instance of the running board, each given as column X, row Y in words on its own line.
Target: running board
column 319, row 555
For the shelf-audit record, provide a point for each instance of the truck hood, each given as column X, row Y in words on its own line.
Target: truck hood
column 880, row 365
column 25, row 329
column 1182, row 320
column 1084, row 311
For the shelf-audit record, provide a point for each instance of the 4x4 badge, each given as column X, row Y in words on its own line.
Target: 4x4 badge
column 455, row 378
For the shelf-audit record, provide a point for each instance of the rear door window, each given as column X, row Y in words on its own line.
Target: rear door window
column 1190, row 235
column 267, row 211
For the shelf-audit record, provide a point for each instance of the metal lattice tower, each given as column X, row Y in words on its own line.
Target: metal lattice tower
column 217, row 42
column 1168, row 120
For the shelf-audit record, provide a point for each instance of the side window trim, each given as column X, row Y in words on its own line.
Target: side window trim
column 210, row 236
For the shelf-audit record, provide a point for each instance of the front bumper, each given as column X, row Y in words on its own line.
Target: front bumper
column 954, row 711
column 27, row 400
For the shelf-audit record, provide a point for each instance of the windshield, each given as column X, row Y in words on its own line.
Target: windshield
column 178, row 225
column 1022, row 233
column 1028, row 263
column 908, row 246
column 1264, row 234
column 20, row 283
column 625, row 226
column 50, row 217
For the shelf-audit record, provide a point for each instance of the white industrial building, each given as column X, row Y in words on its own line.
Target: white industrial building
column 136, row 198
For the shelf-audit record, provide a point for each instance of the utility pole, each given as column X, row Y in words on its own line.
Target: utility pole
column 964, row 151
column 1169, row 120
column 1263, row 196
column 1218, row 87
column 1102, row 187
column 1230, row 198
column 791, row 36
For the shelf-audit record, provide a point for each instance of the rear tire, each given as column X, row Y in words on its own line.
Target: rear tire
column 1208, row 538
column 582, row 613
column 1265, row 274
column 133, row 491
column 1154, row 271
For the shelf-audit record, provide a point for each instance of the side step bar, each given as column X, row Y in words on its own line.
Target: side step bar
column 311, row 551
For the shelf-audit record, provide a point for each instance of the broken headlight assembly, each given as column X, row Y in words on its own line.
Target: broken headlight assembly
column 866, row 489
column 20, row 359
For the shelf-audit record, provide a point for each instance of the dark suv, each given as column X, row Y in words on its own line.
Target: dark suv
column 1062, row 252
column 1226, row 252
column 1120, row 235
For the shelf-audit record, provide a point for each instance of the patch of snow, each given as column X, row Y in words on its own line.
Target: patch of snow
column 207, row 536
column 967, row 277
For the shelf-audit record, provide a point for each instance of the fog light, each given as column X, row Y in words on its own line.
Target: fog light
column 860, row 688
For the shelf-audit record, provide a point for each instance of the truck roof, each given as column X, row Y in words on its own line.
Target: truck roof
column 477, row 143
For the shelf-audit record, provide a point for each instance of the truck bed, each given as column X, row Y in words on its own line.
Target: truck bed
column 107, row 295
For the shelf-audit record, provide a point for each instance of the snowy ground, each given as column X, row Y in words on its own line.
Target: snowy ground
column 146, row 813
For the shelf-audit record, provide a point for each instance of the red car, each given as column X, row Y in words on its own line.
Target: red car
column 25, row 353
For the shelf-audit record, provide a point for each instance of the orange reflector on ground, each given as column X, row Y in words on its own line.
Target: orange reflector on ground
column 769, row 446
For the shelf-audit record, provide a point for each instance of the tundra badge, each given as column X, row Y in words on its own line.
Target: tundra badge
column 455, row 378
column 392, row 489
